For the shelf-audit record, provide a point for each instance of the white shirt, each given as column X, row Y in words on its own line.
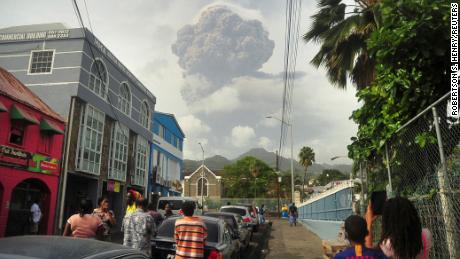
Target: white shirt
column 36, row 212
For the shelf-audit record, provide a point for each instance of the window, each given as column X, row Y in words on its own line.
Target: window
column 125, row 99
column 41, row 61
column 202, row 182
column 118, row 162
column 17, row 132
column 142, row 152
column 144, row 116
column 46, row 143
column 161, row 132
column 98, row 79
column 90, row 140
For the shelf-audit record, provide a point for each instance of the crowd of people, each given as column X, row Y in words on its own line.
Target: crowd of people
column 402, row 235
column 139, row 224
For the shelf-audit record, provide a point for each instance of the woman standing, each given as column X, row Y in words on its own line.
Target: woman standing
column 402, row 234
column 84, row 224
column 106, row 216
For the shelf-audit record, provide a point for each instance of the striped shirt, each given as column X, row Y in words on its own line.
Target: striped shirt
column 190, row 234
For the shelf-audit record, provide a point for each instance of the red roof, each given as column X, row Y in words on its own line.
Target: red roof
column 13, row 88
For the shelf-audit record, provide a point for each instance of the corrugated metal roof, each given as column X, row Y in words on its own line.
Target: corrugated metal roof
column 13, row 88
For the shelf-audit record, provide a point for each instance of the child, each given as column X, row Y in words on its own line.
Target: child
column 356, row 232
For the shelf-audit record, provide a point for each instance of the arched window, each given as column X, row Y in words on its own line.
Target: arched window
column 144, row 117
column 125, row 99
column 202, row 182
column 98, row 78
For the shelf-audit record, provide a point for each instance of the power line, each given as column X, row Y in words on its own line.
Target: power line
column 80, row 20
column 293, row 14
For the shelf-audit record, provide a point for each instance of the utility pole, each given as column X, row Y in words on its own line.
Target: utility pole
column 279, row 182
column 202, row 179
column 292, row 165
column 292, row 155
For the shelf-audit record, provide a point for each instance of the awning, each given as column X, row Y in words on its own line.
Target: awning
column 18, row 113
column 3, row 107
column 47, row 125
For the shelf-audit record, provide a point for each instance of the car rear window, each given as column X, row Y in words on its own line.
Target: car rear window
column 230, row 220
column 166, row 229
column 239, row 211
column 175, row 204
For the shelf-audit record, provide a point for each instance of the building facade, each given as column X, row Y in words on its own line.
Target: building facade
column 108, row 110
column 203, row 176
column 31, row 138
column 167, row 156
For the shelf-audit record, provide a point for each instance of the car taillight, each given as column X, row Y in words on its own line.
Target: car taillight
column 214, row 255
column 247, row 220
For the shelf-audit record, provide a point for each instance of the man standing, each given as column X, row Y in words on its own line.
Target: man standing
column 139, row 228
column 35, row 217
column 190, row 234
column 168, row 211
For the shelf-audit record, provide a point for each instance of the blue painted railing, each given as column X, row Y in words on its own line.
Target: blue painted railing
column 325, row 213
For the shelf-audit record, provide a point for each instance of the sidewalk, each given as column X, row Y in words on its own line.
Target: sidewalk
column 293, row 242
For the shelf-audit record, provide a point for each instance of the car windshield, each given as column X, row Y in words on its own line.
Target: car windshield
column 239, row 211
column 167, row 230
column 175, row 204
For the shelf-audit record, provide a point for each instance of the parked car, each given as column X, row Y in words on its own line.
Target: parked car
column 57, row 247
column 176, row 204
column 248, row 214
column 219, row 244
column 235, row 221
column 254, row 214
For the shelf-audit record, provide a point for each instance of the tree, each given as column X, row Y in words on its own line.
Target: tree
column 412, row 72
column 249, row 177
column 306, row 159
column 343, row 36
column 329, row 175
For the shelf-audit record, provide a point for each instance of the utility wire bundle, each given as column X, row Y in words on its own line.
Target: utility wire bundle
column 293, row 13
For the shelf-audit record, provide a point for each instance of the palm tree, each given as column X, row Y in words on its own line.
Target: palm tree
column 343, row 38
column 306, row 159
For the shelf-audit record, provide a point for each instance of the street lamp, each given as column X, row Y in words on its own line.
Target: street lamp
column 292, row 154
column 202, row 179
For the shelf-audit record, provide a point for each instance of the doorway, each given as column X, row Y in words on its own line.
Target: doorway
column 22, row 198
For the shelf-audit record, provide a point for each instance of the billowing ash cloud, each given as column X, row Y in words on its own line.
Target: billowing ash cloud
column 222, row 46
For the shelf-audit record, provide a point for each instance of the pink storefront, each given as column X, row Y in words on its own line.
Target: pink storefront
column 31, row 137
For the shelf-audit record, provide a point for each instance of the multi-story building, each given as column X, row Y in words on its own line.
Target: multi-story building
column 31, row 137
column 108, row 110
column 167, row 156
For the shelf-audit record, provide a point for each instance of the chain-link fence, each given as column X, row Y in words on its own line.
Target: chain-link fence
column 423, row 162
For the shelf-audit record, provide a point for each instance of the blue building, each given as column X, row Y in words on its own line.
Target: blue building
column 166, row 161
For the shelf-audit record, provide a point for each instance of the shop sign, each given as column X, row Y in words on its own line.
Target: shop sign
column 37, row 35
column 116, row 187
column 14, row 157
column 110, row 186
column 43, row 164
column 113, row 186
column 32, row 162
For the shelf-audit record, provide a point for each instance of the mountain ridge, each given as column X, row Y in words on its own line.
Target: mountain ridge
column 218, row 162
